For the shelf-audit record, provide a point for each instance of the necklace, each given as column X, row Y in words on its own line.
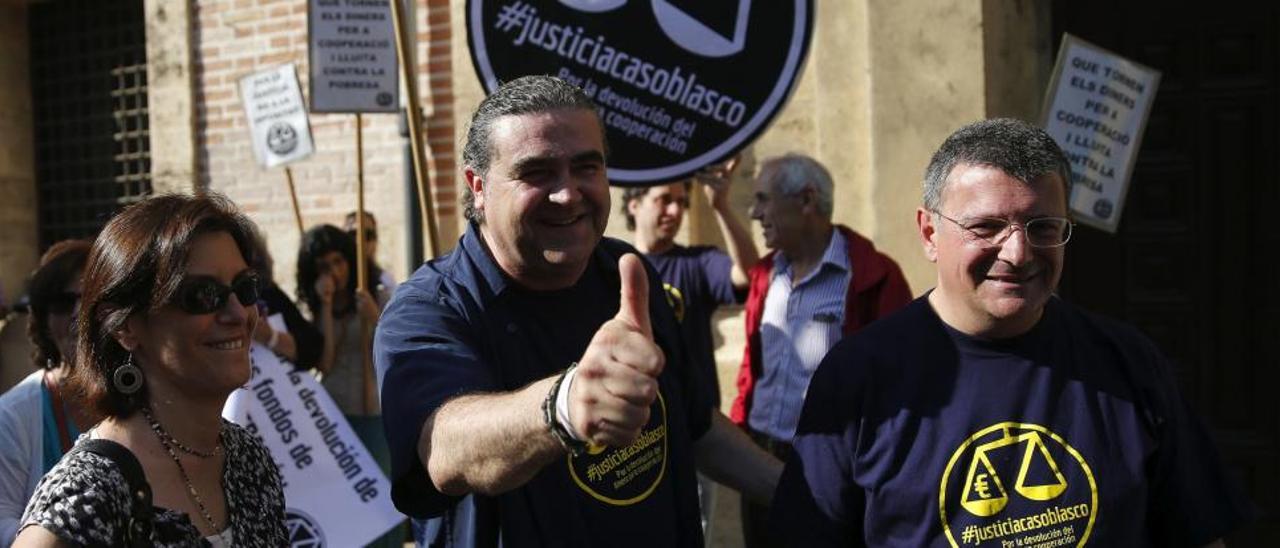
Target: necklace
column 167, row 441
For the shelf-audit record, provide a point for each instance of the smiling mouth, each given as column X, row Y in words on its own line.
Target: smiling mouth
column 563, row 222
column 233, row 344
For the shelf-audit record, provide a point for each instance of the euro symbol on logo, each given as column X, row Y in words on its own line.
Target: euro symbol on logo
column 980, row 485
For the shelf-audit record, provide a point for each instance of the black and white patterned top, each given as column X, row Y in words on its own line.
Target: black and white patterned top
column 84, row 499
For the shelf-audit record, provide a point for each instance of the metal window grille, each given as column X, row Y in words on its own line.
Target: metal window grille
column 89, row 93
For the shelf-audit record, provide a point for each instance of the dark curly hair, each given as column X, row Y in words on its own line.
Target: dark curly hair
column 58, row 267
column 318, row 242
column 136, row 266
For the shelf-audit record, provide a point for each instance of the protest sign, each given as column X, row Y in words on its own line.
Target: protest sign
column 353, row 56
column 680, row 84
column 1096, row 109
column 277, row 117
column 335, row 493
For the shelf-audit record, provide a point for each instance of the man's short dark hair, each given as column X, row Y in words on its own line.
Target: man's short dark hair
column 1023, row 151
column 524, row 95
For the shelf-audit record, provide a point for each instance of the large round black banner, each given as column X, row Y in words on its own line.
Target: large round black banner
column 681, row 84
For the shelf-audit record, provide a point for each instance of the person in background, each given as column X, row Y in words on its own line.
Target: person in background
column 386, row 281
column 38, row 419
column 167, row 312
column 697, row 279
column 821, row 282
column 346, row 315
column 301, row 342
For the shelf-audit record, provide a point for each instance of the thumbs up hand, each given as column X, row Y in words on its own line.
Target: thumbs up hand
column 617, row 378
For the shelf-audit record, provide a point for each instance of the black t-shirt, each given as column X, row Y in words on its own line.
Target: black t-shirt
column 698, row 280
column 914, row 434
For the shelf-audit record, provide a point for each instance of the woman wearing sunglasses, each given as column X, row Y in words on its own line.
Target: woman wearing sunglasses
column 165, row 320
column 38, row 423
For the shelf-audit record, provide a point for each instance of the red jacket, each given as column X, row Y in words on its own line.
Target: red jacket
column 878, row 288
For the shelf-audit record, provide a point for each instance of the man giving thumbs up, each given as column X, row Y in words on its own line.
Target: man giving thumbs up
column 534, row 385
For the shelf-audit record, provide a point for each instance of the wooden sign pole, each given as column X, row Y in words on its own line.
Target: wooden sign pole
column 368, row 392
column 293, row 197
column 423, row 163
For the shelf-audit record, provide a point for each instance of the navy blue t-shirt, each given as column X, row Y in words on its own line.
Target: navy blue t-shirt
column 698, row 280
column 914, row 434
column 460, row 326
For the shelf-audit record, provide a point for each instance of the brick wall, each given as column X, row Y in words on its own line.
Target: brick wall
column 233, row 38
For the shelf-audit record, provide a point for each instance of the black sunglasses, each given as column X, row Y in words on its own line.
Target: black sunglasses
column 205, row 295
column 63, row 302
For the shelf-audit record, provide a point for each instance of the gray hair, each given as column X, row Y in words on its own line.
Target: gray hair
column 524, row 95
column 792, row 173
column 1023, row 151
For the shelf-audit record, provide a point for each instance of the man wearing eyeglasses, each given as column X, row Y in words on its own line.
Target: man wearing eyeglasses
column 989, row 411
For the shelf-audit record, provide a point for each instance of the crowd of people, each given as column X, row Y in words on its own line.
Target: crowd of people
column 544, row 385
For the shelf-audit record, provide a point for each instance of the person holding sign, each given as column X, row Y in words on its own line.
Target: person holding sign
column 697, row 279
column 537, row 368
column 989, row 411
column 166, row 319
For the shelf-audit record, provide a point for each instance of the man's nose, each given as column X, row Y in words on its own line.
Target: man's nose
column 565, row 192
column 1016, row 248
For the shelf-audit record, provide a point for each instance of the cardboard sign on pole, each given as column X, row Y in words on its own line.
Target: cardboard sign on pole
column 353, row 56
column 334, row 491
column 277, row 116
column 1096, row 109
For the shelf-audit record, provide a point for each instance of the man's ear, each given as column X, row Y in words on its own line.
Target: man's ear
column 632, row 205
column 928, row 231
column 475, row 182
column 809, row 200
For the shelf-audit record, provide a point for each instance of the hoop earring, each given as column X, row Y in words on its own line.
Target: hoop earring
column 127, row 378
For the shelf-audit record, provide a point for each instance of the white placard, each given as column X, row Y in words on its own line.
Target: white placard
column 353, row 56
column 277, row 116
column 335, row 494
column 1097, row 109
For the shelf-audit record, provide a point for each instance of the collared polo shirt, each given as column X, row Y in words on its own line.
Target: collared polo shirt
column 460, row 326
column 801, row 321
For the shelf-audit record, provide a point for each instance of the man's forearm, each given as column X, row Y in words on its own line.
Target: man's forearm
column 741, row 248
column 488, row 443
column 728, row 456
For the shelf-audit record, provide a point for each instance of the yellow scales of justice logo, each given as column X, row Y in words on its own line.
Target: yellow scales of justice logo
column 985, row 495
column 983, row 477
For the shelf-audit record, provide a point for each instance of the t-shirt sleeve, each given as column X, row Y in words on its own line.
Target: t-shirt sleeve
column 1194, row 501
column 817, row 502
column 426, row 353
column 717, row 266
column 84, row 500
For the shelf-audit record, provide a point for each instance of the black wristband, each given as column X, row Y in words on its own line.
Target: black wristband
column 557, row 430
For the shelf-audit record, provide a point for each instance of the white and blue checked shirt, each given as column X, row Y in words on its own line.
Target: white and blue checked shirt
column 800, row 323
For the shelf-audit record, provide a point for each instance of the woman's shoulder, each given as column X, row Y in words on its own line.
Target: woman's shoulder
column 246, row 451
column 84, row 499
